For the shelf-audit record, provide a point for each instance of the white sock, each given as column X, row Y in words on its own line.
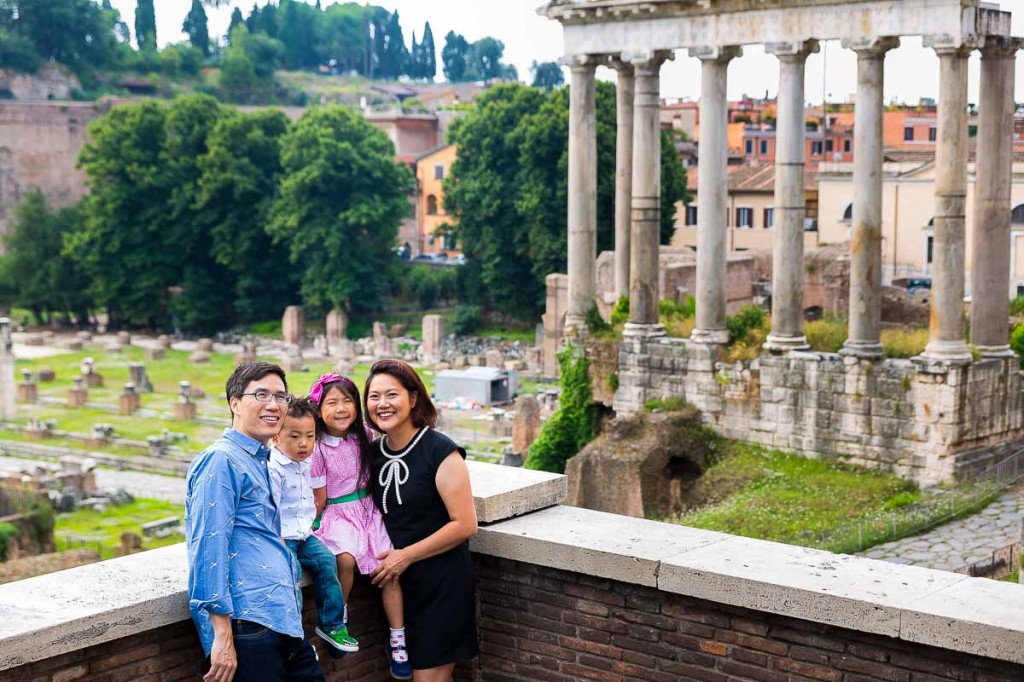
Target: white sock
column 398, row 637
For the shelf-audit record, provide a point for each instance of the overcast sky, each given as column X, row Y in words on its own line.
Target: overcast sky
column 912, row 72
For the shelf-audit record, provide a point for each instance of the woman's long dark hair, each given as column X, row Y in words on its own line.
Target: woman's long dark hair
column 358, row 428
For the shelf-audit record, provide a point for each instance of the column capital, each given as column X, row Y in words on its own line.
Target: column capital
column 623, row 67
column 872, row 47
column 717, row 54
column 1001, row 47
column 647, row 59
column 580, row 62
column 952, row 46
column 797, row 51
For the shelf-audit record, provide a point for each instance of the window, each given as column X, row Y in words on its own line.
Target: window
column 847, row 145
column 691, row 216
column 829, row 145
column 848, row 213
column 439, row 172
column 769, row 218
column 816, row 148
column 908, row 134
column 745, row 217
column 933, row 134
column 431, row 205
column 930, row 249
column 750, row 147
column 1017, row 216
column 764, row 147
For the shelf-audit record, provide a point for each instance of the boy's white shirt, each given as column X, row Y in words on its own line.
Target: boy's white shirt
column 293, row 493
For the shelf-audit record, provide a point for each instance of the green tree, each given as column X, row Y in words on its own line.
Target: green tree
column 342, row 198
column 485, row 59
column 574, row 424
column 18, row 53
column 196, row 28
column 237, row 74
column 35, row 272
column 394, row 55
column 455, row 56
column 145, row 25
column 509, row 192
column 413, row 65
column 547, row 75
column 76, row 33
column 236, row 19
column 239, row 176
column 428, row 55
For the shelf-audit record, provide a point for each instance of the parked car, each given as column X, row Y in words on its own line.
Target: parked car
column 913, row 284
column 459, row 259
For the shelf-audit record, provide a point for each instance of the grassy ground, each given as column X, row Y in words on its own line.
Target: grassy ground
column 768, row 494
column 105, row 528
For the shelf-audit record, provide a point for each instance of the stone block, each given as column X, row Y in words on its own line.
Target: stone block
column 33, row 340
column 46, row 375
column 595, row 543
column 28, row 392
column 93, row 380
column 199, row 357
column 336, row 329
column 154, row 353
column 124, row 338
column 84, row 336
column 205, row 345
column 433, row 336
column 184, row 411
column 77, row 397
column 500, row 493
column 293, row 325
column 494, row 358
column 71, row 344
column 163, row 341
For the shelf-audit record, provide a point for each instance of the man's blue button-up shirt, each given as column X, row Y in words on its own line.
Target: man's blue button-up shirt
column 237, row 563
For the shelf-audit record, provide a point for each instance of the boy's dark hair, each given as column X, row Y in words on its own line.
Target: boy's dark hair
column 423, row 412
column 302, row 408
column 246, row 373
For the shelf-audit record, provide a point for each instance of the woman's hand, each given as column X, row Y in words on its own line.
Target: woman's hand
column 393, row 564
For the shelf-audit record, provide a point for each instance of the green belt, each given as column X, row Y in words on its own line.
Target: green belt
column 351, row 497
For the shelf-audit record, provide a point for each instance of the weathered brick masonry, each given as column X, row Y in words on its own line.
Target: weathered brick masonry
column 929, row 423
column 556, row 626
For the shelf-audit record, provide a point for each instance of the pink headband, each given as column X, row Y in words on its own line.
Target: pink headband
column 316, row 392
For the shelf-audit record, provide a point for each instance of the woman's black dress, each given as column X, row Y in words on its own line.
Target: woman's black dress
column 439, row 592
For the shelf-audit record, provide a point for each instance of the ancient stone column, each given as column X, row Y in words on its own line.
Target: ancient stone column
column 712, row 195
column 864, row 338
column 946, row 333
column 7, row 384
column 624, row 93
column 582, row 191
column 990, row 271
column 645, row 209
column 790, row 200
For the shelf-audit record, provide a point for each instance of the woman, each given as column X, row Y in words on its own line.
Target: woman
column 422, row 487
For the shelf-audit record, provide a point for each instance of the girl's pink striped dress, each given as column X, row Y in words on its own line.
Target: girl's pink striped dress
column 354, row 527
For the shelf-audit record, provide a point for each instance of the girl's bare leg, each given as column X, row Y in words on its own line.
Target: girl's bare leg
column 391, row 595
column 346, row 574
column 440, row 674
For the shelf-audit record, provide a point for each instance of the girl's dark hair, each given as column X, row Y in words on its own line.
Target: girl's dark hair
column 358, row 428
column 423, row 412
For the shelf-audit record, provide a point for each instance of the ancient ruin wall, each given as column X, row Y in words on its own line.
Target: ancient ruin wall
column 39, row 147
column 928, row 423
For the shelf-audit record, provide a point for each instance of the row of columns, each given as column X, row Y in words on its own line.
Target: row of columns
column 638, row 179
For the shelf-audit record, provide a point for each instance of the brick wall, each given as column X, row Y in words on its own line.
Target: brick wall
column 556, row 626
column 173, row 652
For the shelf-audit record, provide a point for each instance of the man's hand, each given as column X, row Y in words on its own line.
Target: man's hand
column 223, row 660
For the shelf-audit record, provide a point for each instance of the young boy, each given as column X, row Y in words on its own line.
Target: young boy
column 293, row 493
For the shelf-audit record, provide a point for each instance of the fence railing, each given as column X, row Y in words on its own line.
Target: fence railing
column 937, row 509
column 999, row 564
column 68, row 544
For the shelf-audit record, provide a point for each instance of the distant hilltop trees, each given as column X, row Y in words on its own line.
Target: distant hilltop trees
column 89, row 37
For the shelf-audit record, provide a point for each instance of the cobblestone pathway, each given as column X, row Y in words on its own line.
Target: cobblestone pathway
column 962, row 542
column 152, row 486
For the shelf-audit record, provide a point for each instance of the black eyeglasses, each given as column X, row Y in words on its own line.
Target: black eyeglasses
column 263, row 396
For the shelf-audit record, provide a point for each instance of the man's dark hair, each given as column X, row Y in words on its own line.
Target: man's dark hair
column 302, row 408
column 246, row 373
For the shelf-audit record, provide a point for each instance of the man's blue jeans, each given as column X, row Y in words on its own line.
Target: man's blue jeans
column 314, row 556
column 268, row 656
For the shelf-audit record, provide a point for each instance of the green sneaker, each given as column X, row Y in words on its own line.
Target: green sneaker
column 339, row 639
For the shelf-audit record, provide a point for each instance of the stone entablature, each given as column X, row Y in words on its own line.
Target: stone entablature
column 929, row 423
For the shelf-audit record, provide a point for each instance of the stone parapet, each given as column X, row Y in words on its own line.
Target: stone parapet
column 576, row 592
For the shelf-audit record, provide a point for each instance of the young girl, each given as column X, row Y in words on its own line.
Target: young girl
column 349, row 523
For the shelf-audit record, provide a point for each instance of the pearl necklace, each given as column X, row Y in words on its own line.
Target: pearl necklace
column 395, row 470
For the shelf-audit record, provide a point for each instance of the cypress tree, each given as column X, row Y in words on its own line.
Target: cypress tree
column 145, row 25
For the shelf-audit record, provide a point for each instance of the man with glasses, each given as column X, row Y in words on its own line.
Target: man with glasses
column 243, row 597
